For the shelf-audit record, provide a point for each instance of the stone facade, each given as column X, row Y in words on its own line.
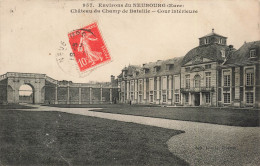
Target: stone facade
column 47, row 90
column 212, row 74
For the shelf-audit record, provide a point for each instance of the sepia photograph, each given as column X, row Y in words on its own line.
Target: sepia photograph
column 129, row 82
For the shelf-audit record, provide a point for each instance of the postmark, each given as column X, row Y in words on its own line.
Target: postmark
column 88, row 47
column 66, row 61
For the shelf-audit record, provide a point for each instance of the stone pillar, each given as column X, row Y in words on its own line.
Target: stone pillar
column 211, row 97
column 101, row 94
column 237, row 100
column 68, row 97
column 181, row 98
column 16, row 95
column 90, row 95
column 127, row 90
column 170, row 87
column 110, row 95
column 56, row 94
column 79, row 95
column 161, row 90
column 201, row 98
column 144, row 82
column 173, row 97
column 136, row 91
column 158, row 88
column 189, row 98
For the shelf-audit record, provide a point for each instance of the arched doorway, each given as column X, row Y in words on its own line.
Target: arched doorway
column 26, row 94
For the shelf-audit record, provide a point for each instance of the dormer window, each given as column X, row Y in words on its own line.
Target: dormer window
column 156, row 68
column 212, row 38
column 146, row 70
column 252, row 53
column 220, row 41
column 206, row 40
column 208, row 66
column 169, row 67
column 223, row 55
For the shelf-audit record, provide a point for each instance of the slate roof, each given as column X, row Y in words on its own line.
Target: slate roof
column 212, row 34
column 176, row 69
column 211, row 51
column 241, row 56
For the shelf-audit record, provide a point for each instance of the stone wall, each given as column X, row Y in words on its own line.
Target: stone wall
column 85, row 95
column 49, row 91
column 3, row 90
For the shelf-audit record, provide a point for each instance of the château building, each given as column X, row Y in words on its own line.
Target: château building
column 212, row 74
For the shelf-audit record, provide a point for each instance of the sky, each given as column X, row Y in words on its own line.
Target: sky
column 31, row 33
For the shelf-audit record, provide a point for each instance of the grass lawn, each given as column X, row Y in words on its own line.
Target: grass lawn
column 14, row 106
column 55, row 138
column 223, row 116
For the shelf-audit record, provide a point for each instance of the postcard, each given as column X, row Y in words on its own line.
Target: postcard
column 160, row 82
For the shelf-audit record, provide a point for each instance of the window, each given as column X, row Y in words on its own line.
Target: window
column 226, row 98
column 132, row 96
column 252, row 53
column 187, row 98
column 197, row 81
column 146, row 70
column 223, row 54
column 164, row 98
column 249, row 77
column 207, row 98
column 249, row 98
column 164, row 83
column 177, row 82
column 208, row 66
column 187, row 81
column 151, row 98
column 208, row 79
column 156, row 68
column 220, row 41
column 177, row 98
column 151, row 84
column 169, row 67
column 123, row 86
column 140, row 85
column 132, row 86
column 140, row 98
column 206, row 40
column 226, row 78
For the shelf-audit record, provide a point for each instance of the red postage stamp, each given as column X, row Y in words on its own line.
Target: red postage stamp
column 88, row 47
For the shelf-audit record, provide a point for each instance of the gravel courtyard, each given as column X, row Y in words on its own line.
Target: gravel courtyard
column 201, row 144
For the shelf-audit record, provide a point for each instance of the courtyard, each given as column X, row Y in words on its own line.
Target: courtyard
column 47, row 135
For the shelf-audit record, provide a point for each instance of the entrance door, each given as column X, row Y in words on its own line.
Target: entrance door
column 197, row 99
column 26, row 94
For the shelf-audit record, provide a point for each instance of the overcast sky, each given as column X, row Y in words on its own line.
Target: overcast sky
column 31, row 32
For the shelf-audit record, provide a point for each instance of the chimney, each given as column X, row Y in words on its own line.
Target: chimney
column 112, row 80
column 230, row 47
